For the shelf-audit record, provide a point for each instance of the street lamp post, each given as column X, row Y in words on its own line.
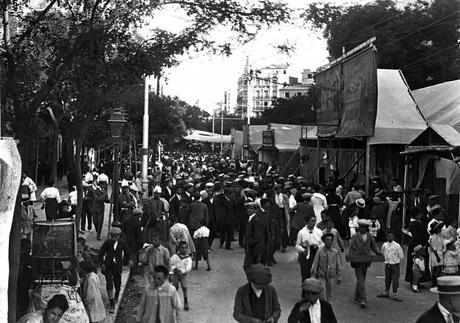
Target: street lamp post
column 116, row 122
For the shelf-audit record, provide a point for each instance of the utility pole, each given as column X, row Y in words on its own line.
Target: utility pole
column 221, row 130
column 145, row 141
column 213, row 117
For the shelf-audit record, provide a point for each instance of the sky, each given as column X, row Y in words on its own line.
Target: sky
column 202, row 78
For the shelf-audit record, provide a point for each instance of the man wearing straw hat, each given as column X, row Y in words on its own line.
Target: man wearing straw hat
column 447, row 309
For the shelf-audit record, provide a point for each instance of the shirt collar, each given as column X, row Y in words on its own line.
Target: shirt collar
column 443, row 310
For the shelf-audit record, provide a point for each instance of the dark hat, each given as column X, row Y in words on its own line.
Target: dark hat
column 259, row 274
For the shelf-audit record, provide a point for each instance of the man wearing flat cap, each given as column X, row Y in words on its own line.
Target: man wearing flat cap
column 257, row 301
column 257, row 237
column 311, row 308
column 112, row 256
column 447, row 309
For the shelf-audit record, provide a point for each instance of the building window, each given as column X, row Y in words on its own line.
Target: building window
column 266, row 93
column 286, row 95
column 310, row 76
column 299, row 93
column 257, row 94
column 265, row 104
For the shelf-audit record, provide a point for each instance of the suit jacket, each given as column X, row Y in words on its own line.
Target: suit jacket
column 120, row 254
column 223, row 211
column 198, row 211
column 133, row 234
column 174, row 205
column 433, row 315
column 165, row 194
column 327, row 314
column 257, row 236
column 242, row 310
column 211, row 213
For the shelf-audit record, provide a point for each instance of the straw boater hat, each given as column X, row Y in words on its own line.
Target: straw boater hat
column 115, row 230
column 447, row 285
column 364, row 222
column 361, row 203
column 417, row 249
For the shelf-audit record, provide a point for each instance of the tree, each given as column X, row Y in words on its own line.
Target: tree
column 421, row 39
column 296, row 110
column 84, row 54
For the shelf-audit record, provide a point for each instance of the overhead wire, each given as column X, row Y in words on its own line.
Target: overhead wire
column 420, row 29
column 428, row 62
column 429, row 56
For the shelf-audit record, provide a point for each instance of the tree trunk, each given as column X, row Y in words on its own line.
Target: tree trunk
column 77, row 161
column 54, row 144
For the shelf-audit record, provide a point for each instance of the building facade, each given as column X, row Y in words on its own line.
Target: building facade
column 257, row 88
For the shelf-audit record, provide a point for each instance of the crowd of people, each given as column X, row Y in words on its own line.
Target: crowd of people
column 195, row 200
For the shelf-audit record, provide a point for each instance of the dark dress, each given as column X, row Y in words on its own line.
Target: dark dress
column 334, row 202
column 419, row 236
column 51, row 209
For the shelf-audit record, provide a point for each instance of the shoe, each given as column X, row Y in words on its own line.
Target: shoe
column 396, row 299
column 99, row 238
column 209, row 269
column 82, row 231
column 230, row 248
column 363, row 304
column 186, row 307
column 383, row 295
column 420, row 286
column 416, row 290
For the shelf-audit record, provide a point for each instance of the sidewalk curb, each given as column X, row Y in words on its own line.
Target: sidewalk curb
column 124, row 282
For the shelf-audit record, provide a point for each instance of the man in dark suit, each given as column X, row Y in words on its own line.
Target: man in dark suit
column 447, row 310
column 167, row 192
column 174, row 203
column 257, row 301
column 311, row 305
column 242, row 217
column 111, row 256
column 133, row 237
column 257, row 237
column 224, row 221
column 209, row 201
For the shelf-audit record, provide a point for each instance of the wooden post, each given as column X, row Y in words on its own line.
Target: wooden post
column 405, row 188
column 317, row 160
column 368, row 163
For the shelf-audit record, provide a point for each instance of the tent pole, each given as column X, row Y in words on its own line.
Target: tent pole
column 317, row 160
column 404, row 210
column 367, row 170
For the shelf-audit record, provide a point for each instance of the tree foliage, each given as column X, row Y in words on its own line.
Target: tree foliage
column 295, row 110
column 421, row 39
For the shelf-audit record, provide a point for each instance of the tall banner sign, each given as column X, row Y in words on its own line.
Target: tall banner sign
column 328, row 113
column 10, row 179
column 359, row 95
